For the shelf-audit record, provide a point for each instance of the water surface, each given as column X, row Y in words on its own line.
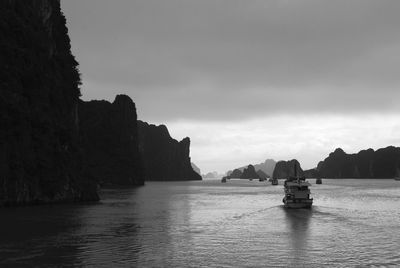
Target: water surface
column 210, row 224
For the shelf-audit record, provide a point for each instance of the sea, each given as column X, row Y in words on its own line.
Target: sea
column 241, row 223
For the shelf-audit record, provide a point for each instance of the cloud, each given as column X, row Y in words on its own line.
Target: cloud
column 248, row 80
column 239, row 58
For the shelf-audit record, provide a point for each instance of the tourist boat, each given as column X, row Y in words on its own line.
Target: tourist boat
column 297, row 194
column 318, row 181
column 274, row 181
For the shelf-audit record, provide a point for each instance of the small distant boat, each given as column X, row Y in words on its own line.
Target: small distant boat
column 223, row 180
column 274, row 181
column 318, row 181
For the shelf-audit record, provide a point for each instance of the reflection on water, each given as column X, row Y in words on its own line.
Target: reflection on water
column 298, row 221
column 109, row 230
column 36, row 235
column 202, row 224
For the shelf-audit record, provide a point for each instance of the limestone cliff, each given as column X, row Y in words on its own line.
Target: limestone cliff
column 266, row 167
column 311, row 173
column 236, row 173
column 261, row 174
column 382, row 163
column 164, row 158
column 110, row 141
column 249, row 173
column 285, row 169
column 39, row 150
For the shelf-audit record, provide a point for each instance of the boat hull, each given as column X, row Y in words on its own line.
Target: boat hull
column 306, row 203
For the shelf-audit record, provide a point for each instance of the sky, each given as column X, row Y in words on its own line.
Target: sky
column 248, row 80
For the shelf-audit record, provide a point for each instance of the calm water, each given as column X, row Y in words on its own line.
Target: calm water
column 210, row 224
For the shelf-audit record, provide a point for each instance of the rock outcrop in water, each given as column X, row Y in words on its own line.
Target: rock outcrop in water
column 311, row 173
column 382, row 163
column 211, row 175
column 164, row 158
column 267, row 167
column 285, row 169
column 261, row 174
column 249, row 173
column 110, row 141
column 40, row 158
column 236, row 173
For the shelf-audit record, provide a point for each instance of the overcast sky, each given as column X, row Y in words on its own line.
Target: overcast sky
column 248, row 80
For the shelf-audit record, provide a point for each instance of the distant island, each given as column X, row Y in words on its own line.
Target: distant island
column 264, row 169
column 382, row 163
column 211, row 175
column 249, row 172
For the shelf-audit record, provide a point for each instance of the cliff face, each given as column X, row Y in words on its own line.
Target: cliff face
column 261, row 174
column 236, row 173
column 285, row 169
column 382, row 163
column 110, row 141
column 164, row 158
column 267, row 167
column 39, row 151
column 249, row 173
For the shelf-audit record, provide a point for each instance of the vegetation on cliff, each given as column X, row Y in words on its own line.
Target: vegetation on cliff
column 40, row 157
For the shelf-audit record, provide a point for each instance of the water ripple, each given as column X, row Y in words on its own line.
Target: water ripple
column 209, row 224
